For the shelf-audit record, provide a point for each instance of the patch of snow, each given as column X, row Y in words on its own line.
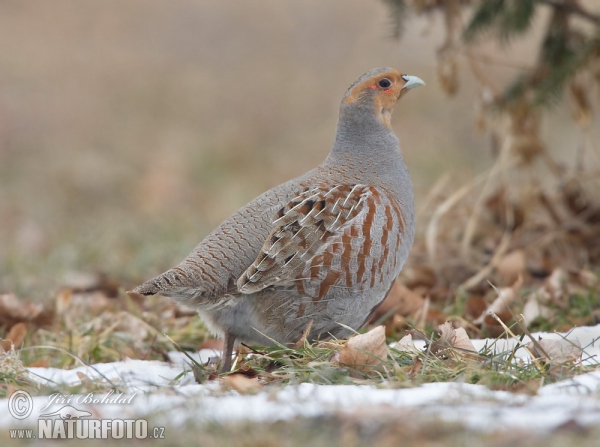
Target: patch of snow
column 588, row 338
column 167, row 393
column 583, row 384
column 203, row 356
column 136, row 375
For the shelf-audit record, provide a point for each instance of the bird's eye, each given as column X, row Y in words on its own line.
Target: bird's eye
column 385, row 83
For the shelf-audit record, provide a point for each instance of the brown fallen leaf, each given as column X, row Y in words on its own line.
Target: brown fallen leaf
column 246, row 371
column 501, row 308
column 416, row 367
column 511, row 266
column 400, row 300
column 554, row 290
column 406, row 344
column 475, row 306
column 13, row 311
column 72, row 304
column 418, row 276
column 506, row 296
column 241, row 383
column 365, row 352
column 586, row 278
column 130, row 324
column 452, row 342
column 398, row 323
column 80, row 282
column 555, row 285
column 14, row 338
column 556, row 351
column 535, row 308
column 435, row 317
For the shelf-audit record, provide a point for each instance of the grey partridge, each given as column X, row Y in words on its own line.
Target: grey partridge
column 322, row 249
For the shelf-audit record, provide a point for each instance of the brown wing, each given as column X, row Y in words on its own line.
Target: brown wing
column 312, row 238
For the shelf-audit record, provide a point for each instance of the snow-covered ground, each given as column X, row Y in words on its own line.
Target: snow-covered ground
column 159, row 390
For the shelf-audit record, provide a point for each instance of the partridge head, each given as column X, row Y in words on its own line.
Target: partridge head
column 319, row 252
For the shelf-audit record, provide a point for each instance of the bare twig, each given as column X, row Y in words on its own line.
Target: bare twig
column 501, row 164
column 486, row 270
column 443, row 208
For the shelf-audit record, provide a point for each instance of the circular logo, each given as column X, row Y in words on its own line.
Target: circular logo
column 20, row 404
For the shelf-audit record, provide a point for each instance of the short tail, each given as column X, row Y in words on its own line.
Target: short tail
column 162, row 284
column 148, row 288
column 177, row 282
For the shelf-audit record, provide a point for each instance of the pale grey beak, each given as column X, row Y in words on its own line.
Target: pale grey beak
column 411, row 82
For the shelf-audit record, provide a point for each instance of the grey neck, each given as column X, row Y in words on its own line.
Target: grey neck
column 367, row 147
column 361, row 126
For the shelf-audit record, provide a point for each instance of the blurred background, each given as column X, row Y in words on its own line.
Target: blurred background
column 129, row 130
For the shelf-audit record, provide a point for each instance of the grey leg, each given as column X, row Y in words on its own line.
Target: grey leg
column 227, row 353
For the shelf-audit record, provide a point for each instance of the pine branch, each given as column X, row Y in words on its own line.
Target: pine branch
column 398, row 13
column 508, row 18
column 572, row 8
column 486, row 14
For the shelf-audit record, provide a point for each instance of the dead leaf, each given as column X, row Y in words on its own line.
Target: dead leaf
column 511, row 266
column 365, row 352
column 241, row 383
column 14, row 338
column 501, row 307
column 506, row 296
column 131, row 324
column 534, row 309
column 587, row 278
column 80, row 282
column 555, row 284
column 400, row 303
column 556, row 351
column 406, row 344
column 13, row 311
column 475, row 306
column 418, row 276
column 76, row 304
column 452, row 342
column 435, row 317
column 416, row 367
column 400, row 300
column 397, row 324
column 247, row 371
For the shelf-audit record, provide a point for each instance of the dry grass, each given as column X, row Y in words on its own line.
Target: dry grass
column 89, row 327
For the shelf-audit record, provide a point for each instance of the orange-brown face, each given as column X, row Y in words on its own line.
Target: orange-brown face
column 383, row 91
